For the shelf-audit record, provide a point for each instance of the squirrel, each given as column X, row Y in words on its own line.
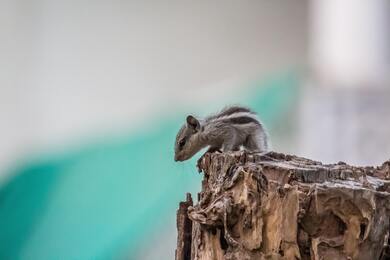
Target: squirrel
column 229, row 130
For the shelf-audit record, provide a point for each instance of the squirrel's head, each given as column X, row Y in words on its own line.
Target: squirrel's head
column 187, row 140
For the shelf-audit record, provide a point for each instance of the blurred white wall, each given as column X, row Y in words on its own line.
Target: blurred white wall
column 349, row 42
column 74, row 69
column 344, row 112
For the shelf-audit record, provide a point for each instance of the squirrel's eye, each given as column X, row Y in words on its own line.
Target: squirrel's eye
column 182, row 142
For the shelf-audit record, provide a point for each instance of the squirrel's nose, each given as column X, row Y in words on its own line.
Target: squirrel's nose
column 178, row 158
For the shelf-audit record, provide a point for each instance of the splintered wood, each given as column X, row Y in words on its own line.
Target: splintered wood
column 277, row 206
column 184, row 230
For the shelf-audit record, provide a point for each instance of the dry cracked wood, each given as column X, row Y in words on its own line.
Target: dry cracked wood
column 184, row 230
column 277, row 206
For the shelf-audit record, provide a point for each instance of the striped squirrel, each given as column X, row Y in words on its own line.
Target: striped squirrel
column 229, row 130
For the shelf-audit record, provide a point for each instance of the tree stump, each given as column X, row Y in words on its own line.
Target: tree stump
column 277, row 206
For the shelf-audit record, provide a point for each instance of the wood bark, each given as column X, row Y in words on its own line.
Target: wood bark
column 184, row 230
column 277, row 206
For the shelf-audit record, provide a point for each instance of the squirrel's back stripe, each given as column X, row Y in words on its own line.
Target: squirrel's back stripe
column 242, row 120
column 232, row 110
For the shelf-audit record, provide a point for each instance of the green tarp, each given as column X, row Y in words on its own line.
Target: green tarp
column 103, row 200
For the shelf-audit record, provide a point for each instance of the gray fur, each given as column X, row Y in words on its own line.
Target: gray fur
column 234, row 127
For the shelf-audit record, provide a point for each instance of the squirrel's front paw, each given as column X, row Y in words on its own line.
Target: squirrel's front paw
column 199, row 164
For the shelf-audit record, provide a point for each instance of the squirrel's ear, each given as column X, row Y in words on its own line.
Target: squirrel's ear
column 193, row 122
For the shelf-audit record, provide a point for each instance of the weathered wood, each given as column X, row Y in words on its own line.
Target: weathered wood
column 184, row 230
column 276, row 206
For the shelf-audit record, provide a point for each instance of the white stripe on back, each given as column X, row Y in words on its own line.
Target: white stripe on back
column 236, row 115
